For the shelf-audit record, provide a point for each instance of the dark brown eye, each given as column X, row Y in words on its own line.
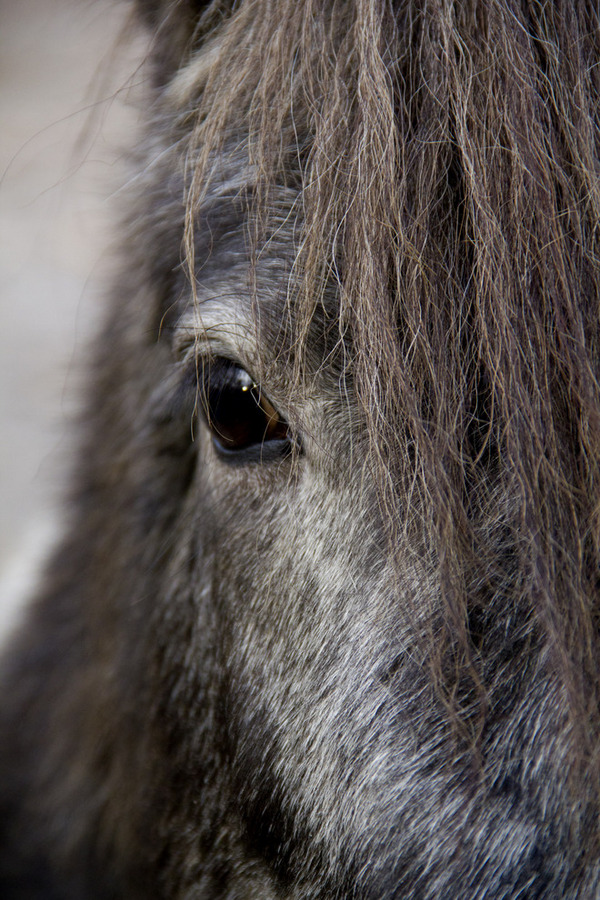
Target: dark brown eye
column 242, row 421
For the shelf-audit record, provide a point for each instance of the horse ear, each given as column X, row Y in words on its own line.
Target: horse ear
column 177, row 26
column 160, row 13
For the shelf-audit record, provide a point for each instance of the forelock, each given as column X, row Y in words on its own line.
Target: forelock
column 445, row 161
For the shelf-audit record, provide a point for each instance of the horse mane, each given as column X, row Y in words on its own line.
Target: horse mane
column 446, row 159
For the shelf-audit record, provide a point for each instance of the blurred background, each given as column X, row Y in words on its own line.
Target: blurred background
column 69, row 103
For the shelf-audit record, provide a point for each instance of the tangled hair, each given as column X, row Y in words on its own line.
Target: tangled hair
column 448, row 161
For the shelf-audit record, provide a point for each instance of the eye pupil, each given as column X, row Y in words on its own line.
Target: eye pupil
column 238, row 414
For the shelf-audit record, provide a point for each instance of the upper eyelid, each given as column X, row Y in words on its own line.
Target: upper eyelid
column 205, row 341
column 198, row 340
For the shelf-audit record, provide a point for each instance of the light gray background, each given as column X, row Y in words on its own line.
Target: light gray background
column 68, row 111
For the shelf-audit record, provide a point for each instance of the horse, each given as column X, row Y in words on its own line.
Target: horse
column 324, row 619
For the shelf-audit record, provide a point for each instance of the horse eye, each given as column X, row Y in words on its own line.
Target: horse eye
column 240, row 417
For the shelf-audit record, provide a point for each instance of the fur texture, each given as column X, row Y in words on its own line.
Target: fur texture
column 369, row 667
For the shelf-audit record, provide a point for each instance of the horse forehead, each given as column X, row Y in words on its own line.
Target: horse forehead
column 241, row 278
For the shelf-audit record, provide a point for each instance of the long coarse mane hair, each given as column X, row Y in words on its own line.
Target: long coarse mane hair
column 448, row 162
